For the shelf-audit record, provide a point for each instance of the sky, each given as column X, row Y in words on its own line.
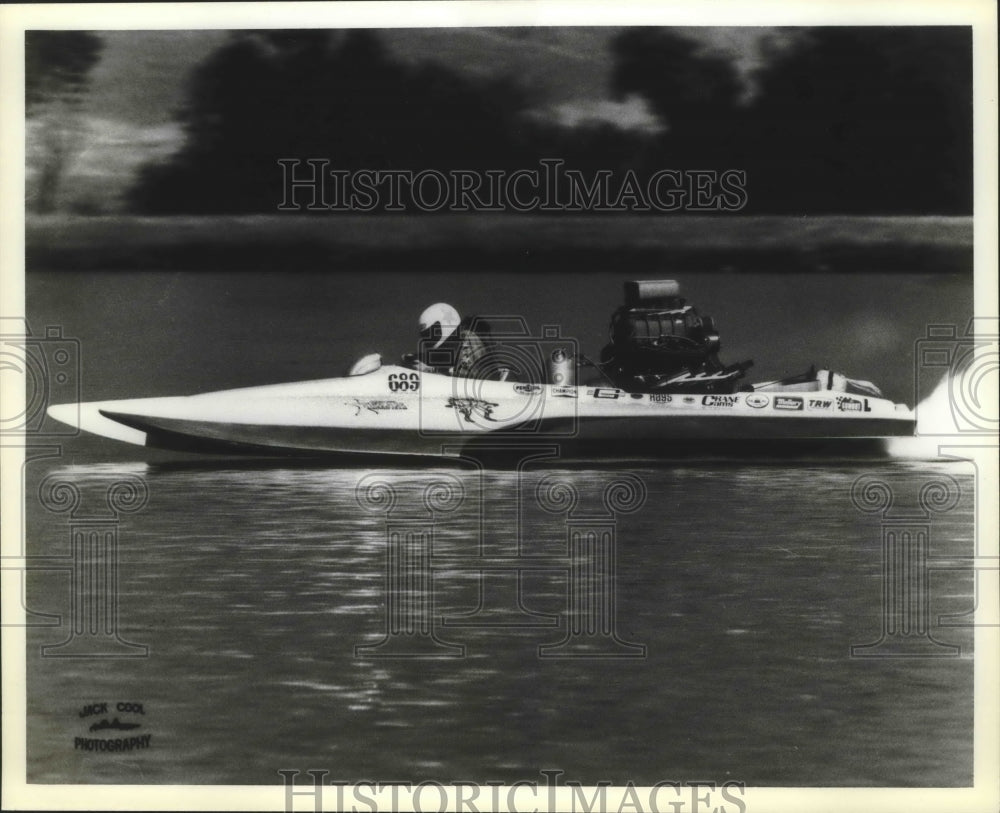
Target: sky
column 139, row 84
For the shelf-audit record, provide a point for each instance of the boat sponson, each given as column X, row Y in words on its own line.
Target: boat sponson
column 211, row 436
column 634, row 433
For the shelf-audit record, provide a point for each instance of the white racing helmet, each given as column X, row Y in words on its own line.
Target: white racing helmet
column 438, row 322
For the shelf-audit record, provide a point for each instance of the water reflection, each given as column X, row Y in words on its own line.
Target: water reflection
column 747, row 585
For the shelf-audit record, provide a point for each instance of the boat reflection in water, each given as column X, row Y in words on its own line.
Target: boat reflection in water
column 428, row 623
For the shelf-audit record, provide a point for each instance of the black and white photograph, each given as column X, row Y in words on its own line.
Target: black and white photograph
column 471, row 406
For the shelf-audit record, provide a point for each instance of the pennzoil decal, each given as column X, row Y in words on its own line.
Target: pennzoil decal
column 528, row 389
column 473, row 406
column 757, row 401
column 819, row 403
column 719, row 400
column 845, row 404
column 563, row 392
column 793, row 403
column 608, row 392
column 376, row 405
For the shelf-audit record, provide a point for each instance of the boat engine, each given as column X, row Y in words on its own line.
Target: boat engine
column 659, row 343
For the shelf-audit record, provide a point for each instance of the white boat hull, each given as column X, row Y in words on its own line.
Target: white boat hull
column 396, row 411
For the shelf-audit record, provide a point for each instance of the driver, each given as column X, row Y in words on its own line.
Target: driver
column 448, row 345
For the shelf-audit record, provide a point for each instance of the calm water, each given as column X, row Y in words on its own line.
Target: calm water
column 747, row 586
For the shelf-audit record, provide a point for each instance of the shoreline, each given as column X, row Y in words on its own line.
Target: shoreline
column 530, row 243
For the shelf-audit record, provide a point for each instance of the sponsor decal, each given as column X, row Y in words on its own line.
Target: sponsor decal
column 636, row 395
column 845, row 404
column 528, row 389
column 608, row 392
column 757, row 401
column 820, row 403
column 376, row 405
column 473, row 406
column 564, row 392
column 660, row 398
column 689, row 399
column 404, row 382
column 788, row 402
column 719, row 400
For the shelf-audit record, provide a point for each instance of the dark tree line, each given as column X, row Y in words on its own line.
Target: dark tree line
column 267, row 96
column 56, row 73
column 866, row 120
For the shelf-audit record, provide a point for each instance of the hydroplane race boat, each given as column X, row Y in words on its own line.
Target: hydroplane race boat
column 660, row 390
